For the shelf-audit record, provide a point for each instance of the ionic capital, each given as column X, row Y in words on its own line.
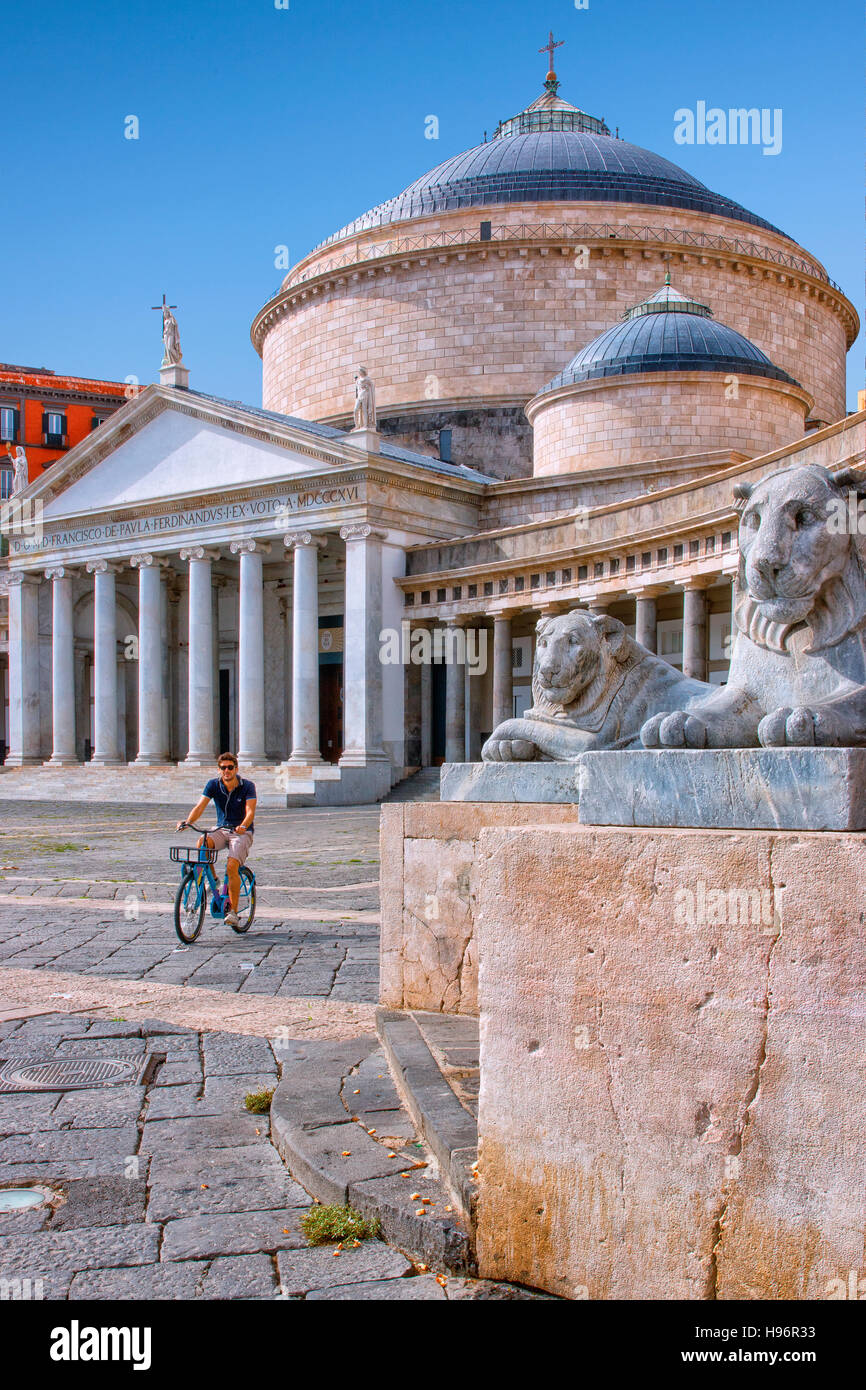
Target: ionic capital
column 250, row 547
column 199, row 552
column 362, row 531
column 144, row 560
column 303, row 538
column 102, row 567
column 58, row 572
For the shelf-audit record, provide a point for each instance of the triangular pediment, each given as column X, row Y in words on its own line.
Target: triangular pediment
column 160, row 449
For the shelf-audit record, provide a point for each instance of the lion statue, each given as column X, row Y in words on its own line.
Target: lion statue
column 798, row 669
column 593, row 686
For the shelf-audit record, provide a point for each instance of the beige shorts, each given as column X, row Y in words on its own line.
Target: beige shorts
column 239, row 843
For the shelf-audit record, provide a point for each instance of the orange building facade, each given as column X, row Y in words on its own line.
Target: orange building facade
column 48, row 414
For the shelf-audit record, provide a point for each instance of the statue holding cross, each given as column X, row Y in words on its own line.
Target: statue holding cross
column 172, row 354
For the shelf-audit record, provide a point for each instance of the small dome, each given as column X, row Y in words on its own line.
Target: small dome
column 667, row 333
column 551, row 152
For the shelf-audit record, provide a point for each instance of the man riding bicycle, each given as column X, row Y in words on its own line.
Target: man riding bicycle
column 235, row 800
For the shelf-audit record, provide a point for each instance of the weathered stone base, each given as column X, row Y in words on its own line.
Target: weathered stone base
column 429, row 856
column 673, row 1093
column 521, row 782
column 737, row 788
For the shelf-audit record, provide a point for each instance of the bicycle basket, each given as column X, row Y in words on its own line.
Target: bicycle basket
column 183, row 854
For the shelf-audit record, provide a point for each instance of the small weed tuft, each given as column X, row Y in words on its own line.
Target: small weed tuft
column 322, row 1224
column 259, row 1102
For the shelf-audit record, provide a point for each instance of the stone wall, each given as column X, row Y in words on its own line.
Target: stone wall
column 632, row 419
column 429, row 859
column 672, row 1093
column 492, row 322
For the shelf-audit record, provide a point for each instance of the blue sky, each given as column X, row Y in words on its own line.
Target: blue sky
column 262, row 126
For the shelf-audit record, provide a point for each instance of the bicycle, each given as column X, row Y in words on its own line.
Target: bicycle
column 198, row 875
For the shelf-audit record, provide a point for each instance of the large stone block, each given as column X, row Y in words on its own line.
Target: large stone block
column 428, row 853
column 673, row 1057
column 735, row 788
column 522, row 782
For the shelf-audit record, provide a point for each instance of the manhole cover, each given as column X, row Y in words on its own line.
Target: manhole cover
column 20, row 1198
column 65, row 1074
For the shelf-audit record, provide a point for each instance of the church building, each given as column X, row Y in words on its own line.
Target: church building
column 526, row 383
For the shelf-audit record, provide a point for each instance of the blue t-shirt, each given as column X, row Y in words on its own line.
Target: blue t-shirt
column 231, row 805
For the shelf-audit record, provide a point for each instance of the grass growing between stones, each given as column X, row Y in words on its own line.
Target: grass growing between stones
column 322, row 1224
column 259, row 1102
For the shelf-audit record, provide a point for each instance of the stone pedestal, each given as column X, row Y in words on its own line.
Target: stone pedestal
column 673, row 1059
column 738, row 788
column 174, row 375
column 368, row 440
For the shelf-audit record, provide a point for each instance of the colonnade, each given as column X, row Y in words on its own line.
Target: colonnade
column 362, row 718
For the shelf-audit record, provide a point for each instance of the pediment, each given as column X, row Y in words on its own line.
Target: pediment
column 166, row 452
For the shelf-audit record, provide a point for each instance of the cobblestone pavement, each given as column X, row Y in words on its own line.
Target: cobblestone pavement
column 170, row 1189
column 89, row 890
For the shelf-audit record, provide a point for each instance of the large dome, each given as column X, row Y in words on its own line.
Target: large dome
column 667, row 333
column 552, row 152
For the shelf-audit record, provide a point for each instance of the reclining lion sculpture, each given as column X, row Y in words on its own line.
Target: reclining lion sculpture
column 798, row 669
column 593, row 686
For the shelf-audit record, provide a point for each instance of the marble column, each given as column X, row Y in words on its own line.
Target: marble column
column 455, row 697
column 24, row 739
column 503, row 662
column 645, row 621
column 62, row 668
column 426, row 670
column 152, row 733
column 305, row 647
column 106, row 749
column 202, row 751
column 362, row 668
column 695, row 632
column 251, row 651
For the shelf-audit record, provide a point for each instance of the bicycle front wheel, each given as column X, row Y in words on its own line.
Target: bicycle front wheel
column 246, row 902
column 189, row 906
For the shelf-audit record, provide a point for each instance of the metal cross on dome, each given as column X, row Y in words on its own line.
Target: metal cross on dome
column 163, row 305
column 550, row 46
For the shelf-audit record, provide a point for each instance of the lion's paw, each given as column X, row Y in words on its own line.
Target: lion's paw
column 509, row 750
column 677, row 730
column 798, row 728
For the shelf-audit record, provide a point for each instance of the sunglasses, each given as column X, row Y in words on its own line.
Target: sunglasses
column 224, row 766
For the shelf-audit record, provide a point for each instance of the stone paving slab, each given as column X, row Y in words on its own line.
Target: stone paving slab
column 223, row 1195
column 38, row 1253
column 150, row 1282
column 101, row 1202
column 205, row 1237
column 424, row 1286
column 322, row 1267
column 240, row 1276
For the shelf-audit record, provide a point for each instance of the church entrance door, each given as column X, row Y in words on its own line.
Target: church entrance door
column 331, row 711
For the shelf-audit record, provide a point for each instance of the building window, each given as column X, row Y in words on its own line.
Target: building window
column 646, row 559
column 598, row 569
column 9, row 424
column 7, row 477
column 630, row 562
column 678, row 552
column 614, row 566
column 581, row 572
column 710, row 546
column 488, row 588
column 694, row 548
column 534, row 581
column 726, row 540
column 54, row 429
column 408, row 600
column 96, row 421
column 445, row 446
column 440, row 595
column 519, row 584
column 473, row 590
column 425, row 595
column 503, row 586
column 550, row 577
column 662, row 556
column 457, row 591
column 566, row 576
